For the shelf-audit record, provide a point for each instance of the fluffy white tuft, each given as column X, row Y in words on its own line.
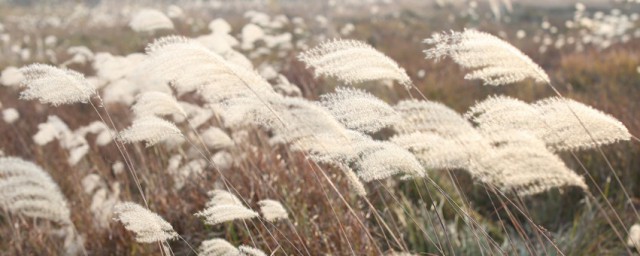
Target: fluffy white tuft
column 28, row 190
column 381, row 160
column 272, row 210
column 55, row 86
column 103, row 198
column 148, row 226
column 224, row 206
column 359, row 110
column 352, row 61
column 11, row 76
column 215, row 138
column 568, row 132
column 157, row 103
column 10, row 115
column 438, row 153
column 190, row 66
column 522, row 164
column 552, row 120
column 222, row 213
column 250, row 251
column 150, row 129
column 217, row 247
column 222, row 197
column 431, row 117
column 492, row 60
column 150, row 20
column 498, row 113
column 634, row 236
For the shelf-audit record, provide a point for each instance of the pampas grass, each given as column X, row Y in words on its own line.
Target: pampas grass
column 289, row 171
column 491, row 59
column 149, row 129
column 26, row 189
column 353, row 61
column 51, row 85
column 272, row 210
column 148, row 227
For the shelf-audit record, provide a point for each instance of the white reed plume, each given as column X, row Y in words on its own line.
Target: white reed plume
column 150, row 129
column 189, row 66
column 570, row 120
column 381, row 160
column 224, row 206
column 352, row 61
column 492, row 60
column 634, row 236
column 552, row 120
column 150, row 20
column 359, row 110
column 11, row 76
column 156, row 103
column 302, row 119
column 498, row 113
column 272, row 210
column 217, row 247
column 55, row 86
column 148, row 226
column 10, row 115
column 74, row 141
column 216, row 138
column 431, row 117
column 27, row 190
column 222, row 213
column 250, row 251
column 329, row 148
column 310, row 128
column 521, row 163
column 438, row 153
column 222, row 197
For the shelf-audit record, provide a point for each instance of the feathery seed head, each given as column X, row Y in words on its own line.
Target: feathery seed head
column 352, row 61
column 55, row 86
column 217, row 247
column 492, row 60
column 498, row 113
column 438, row 153
column 215, row 138
column 157, row 103
column 250, row 251
column 189, row 66
column 634, row 236
column 150, row 20
column 431, row 117
column 148, row 227
column 228, row 212
column 272, row 210
column 524, row 167
column 384, row 159
column 575, row 126
column 28, row 190
column 222, row 197
column 359, row 110
column 150, row 129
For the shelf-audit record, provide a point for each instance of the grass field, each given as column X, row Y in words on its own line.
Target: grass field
column 250, row 116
